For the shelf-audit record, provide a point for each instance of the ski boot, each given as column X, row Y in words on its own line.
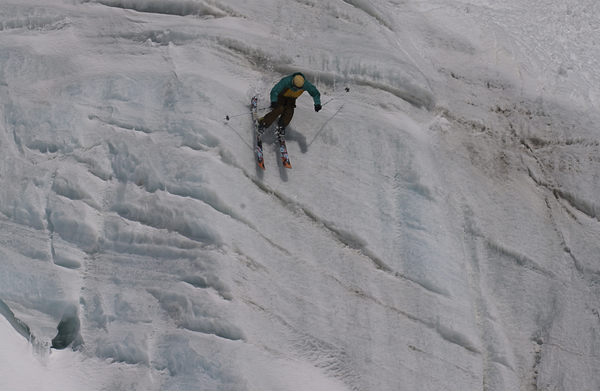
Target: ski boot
column 280, row 128
column 261, row 129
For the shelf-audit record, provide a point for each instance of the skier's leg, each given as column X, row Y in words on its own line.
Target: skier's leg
column 268, row 119
column 288, row 113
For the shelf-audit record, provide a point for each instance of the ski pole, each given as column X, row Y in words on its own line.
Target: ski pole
column 347, row 89
column 228, row 117
column 323, row 127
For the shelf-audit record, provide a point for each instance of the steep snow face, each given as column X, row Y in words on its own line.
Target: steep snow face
column 439, row 229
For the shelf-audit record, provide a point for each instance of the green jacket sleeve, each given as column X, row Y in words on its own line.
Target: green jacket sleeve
column 312, row 90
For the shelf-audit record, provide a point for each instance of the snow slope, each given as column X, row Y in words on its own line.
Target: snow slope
column 439, row 229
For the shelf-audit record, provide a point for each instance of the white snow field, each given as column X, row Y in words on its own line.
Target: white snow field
column 439, row 229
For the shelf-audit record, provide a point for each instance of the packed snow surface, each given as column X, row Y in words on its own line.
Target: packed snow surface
column 439, row 229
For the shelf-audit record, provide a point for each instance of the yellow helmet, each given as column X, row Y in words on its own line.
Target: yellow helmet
column 298, row 81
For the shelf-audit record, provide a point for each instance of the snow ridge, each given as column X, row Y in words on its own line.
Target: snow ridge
column 178, row 7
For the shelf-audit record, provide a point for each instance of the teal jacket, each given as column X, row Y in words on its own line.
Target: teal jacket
column 285, row 87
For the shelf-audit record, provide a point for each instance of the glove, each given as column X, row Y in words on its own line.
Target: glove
column 317, row 108
column 274, row 105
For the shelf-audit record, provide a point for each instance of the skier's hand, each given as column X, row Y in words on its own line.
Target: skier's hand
column 317, row 108
column 274, row 105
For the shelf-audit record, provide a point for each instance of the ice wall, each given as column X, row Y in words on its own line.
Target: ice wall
column 439, row 229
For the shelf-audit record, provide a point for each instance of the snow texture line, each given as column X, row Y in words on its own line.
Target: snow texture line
column 324, row 355
column 520, row 258
column 445, row 332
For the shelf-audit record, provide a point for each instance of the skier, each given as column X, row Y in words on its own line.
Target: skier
column 283, row 101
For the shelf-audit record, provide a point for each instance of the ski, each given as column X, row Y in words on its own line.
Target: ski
column 285, row 159
column 259, row 148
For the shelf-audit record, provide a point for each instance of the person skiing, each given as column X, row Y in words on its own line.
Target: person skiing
column 283, row 101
